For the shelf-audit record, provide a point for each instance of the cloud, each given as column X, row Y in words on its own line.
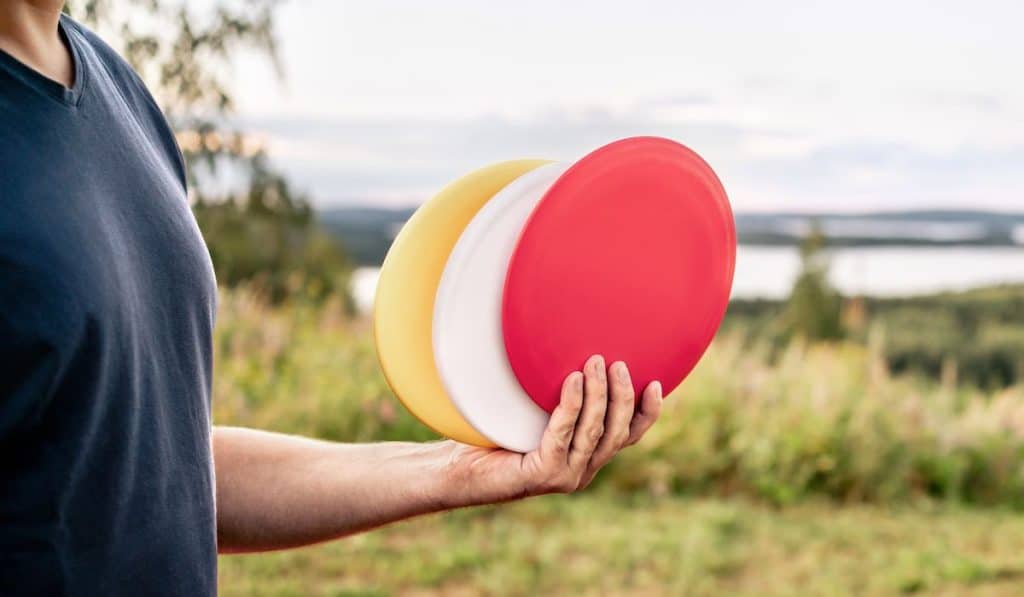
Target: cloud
column 401, row 161
column 683, row 100
column 984, row 103
column 346, row 157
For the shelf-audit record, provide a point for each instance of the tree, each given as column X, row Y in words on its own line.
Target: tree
column 259, row 229
column 813, row 308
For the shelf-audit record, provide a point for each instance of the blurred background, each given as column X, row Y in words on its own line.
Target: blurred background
column 857, row 427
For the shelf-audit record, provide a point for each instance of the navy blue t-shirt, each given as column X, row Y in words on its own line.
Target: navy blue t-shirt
column 107, row 301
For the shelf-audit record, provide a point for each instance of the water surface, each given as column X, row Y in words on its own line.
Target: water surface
column 769, row 272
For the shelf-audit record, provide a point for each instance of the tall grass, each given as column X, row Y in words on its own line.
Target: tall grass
column 822, row 420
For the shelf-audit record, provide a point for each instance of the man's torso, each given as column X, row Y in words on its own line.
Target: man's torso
column 107, row 299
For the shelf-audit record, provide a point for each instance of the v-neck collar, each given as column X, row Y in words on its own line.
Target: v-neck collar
column 36, row 80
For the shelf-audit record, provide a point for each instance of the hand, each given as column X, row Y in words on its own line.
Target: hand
column 587, row 428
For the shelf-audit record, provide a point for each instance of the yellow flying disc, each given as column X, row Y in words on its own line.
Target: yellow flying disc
column 404, row 305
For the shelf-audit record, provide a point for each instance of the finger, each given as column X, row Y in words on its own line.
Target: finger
column 650, row 408
column 554, row 444
column 590, row 426
column 621, row 406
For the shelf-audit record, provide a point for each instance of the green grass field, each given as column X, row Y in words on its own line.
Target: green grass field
column 811, row 471
column 596, row 544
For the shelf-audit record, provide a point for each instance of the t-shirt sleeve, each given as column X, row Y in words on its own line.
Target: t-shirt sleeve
column 162, row 126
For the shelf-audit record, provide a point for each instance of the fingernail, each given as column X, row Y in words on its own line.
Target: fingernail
column 577, row 381
column 621, row 372
column 598, row 363
column 657, row 390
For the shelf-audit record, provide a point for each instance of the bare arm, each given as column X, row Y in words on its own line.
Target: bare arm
column 277, row 491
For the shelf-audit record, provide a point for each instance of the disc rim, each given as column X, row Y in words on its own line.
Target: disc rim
column 467, row 318
column 406, row 289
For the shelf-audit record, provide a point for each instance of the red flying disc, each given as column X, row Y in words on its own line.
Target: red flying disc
column 630, row 254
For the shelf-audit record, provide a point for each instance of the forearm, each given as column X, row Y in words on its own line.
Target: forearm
column 276, row 491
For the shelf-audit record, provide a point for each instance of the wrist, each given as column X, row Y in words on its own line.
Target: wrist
column 446, row 484
column 473, row 476
column 456, row 477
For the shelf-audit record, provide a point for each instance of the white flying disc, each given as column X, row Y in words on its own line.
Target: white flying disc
column 403, row 310
column 469, row 346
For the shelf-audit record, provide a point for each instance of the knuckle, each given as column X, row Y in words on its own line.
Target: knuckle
column 568, row 407
column 562, row 484
column 564, row 432
column 552, row 482
column 595, row 433
column 560, row 444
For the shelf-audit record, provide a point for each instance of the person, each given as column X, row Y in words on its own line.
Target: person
column 113, row 480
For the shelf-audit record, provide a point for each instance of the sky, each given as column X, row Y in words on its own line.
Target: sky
column 797, row 105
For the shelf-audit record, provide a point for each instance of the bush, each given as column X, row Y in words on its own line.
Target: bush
column 778, row 424
column 270, row 238
column 974, row 337
column 813, row 309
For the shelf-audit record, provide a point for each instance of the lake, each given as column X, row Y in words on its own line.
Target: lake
column 768, row 272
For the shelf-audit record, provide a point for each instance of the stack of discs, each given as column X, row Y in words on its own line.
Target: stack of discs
column 512, row 276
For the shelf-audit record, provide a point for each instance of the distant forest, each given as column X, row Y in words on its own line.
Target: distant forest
column 367, row 232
